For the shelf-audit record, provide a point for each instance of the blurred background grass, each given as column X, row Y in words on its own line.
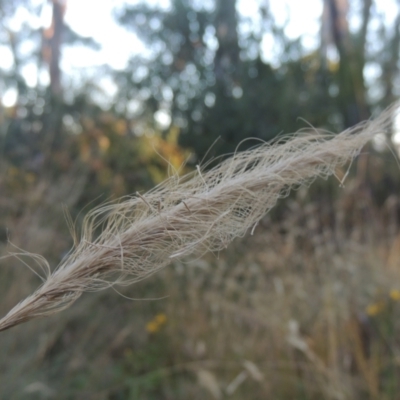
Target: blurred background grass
column 308, row 307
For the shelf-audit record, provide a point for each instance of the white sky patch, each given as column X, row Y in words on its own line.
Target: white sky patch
column 388, row 9
column 94, row 18
column 270, row 49
column 30, row 73
column 396, row 129
column 300, row 20
column 163, row 118
column 104, row 92
column 108, row 85
column 81, row 57
column 163, row 4
column 6, row 58
column 248, row 8
column 46, row 15
column 10, row 97
column 372, row 71
column 44, row 77
column 21, row 16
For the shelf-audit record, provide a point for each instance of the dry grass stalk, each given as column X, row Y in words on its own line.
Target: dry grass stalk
column 195, row 213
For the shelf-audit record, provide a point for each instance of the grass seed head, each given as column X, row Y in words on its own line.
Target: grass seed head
column 199, row 212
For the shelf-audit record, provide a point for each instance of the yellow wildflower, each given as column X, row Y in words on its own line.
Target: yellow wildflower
column 152, row 327
column 161, row 319
column 395, row 295
column 375, row 308
column 156, row 323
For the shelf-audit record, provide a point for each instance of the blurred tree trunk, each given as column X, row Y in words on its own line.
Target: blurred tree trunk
column 391, row 69
column 352, row 92
column 52, row 43
column 352, row 99
column 227, row 56
column 52, row 46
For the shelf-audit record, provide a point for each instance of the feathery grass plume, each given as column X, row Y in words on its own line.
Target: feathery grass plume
column 195, row 213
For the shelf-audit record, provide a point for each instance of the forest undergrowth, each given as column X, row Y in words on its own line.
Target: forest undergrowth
column 307, row 308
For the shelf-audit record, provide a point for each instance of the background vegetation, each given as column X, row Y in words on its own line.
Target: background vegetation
column 307, row 308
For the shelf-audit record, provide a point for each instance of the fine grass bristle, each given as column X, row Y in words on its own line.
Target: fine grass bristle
column 202, row 211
